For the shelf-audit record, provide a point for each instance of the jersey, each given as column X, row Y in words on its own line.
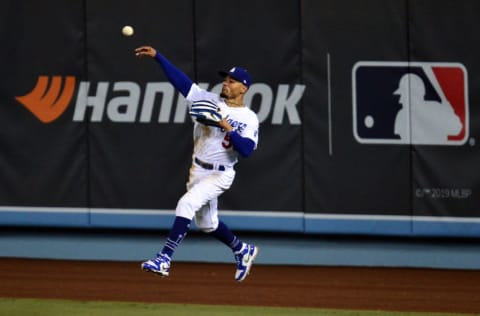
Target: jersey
column 212, row 144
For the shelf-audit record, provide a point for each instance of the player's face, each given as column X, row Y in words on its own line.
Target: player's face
column 232, row 88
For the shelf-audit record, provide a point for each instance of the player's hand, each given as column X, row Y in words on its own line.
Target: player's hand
column 225, row 125
column 145, row 51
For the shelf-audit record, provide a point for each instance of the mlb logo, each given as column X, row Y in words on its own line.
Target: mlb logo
column 410, row 103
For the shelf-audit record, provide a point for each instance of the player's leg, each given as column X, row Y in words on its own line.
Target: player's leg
column 207, row 221
column 178, row 231
column 161, row 263
column 202, row 187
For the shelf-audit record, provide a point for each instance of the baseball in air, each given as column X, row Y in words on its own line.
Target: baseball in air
column 127, row 30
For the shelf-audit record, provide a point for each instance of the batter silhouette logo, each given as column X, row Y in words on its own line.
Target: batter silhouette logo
column 49, row 98
column 410, row 103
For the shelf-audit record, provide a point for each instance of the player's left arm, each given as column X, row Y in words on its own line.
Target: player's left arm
column 243, row 145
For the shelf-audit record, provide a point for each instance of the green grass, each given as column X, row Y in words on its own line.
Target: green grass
column 37, row 307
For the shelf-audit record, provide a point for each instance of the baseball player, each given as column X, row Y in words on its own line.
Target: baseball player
column 223, row 128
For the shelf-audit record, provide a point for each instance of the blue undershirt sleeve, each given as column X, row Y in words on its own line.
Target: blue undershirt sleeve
column 243, row 145
column 176, row 77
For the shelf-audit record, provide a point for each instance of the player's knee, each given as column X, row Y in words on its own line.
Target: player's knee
column 204, row 225
column 207, row 230
column 185, row 208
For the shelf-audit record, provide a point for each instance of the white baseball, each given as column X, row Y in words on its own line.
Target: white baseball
column 127, row 30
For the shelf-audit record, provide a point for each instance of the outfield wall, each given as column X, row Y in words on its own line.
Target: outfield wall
column 368, row 116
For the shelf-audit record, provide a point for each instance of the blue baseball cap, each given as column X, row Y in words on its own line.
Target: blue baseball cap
column 238, row 74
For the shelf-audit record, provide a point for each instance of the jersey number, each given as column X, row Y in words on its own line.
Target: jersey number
column 226, row 143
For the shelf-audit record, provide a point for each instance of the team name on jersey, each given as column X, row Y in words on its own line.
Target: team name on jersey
column 236, row 125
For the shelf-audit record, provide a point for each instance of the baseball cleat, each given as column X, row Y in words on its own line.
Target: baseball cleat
column 159, row 265
column 245, row 258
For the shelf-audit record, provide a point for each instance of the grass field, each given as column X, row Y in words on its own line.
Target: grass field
column 37, row 307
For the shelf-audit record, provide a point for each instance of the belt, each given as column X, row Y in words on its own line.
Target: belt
column 209, row 166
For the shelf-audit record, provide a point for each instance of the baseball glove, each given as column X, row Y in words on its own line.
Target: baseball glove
column 206, row 112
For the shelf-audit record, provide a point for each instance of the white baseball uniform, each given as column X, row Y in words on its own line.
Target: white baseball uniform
column 213, row 160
